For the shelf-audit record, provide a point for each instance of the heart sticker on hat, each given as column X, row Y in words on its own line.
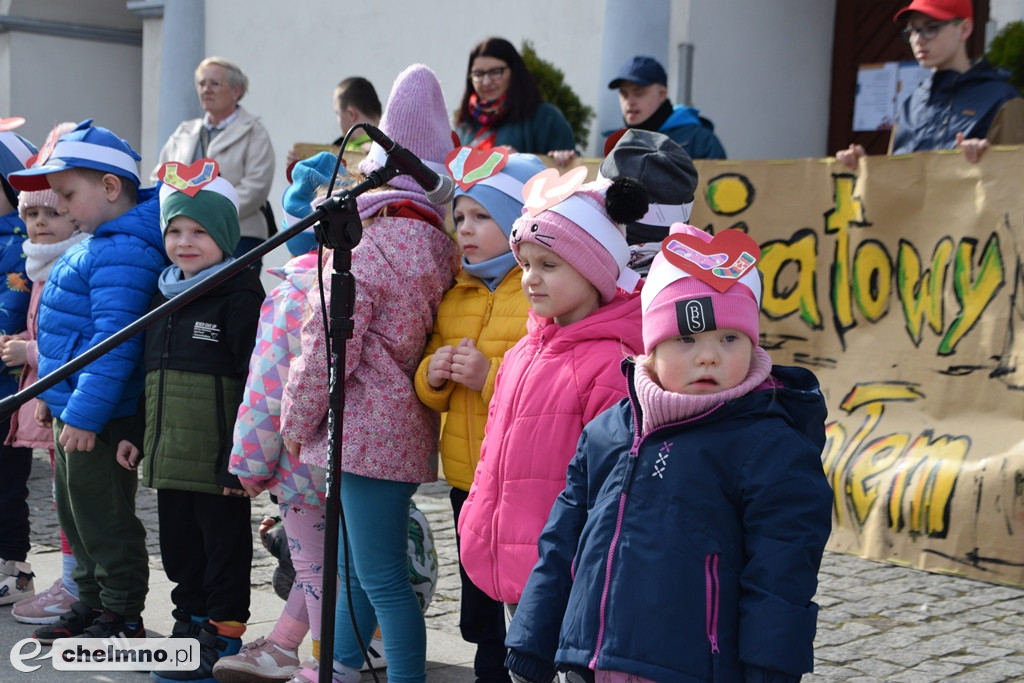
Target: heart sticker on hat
column 191, row 178
column 43, row 155
column 548, row 188
column 11, row 122
column 469, row 165
column 729, row 256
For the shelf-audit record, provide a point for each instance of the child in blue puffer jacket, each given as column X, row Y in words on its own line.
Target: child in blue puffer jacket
column 686, row 544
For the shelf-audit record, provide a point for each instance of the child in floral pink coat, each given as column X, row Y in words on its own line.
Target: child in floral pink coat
column 402, row 267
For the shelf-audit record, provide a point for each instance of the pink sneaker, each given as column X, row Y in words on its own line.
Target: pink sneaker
column 259, row 660
column 45, row 607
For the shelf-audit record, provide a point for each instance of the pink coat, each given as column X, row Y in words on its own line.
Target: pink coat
column 402, row 268
column 24, row 430
column 551, row 384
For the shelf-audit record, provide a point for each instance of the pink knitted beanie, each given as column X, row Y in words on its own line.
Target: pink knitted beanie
column 699, row 283
column 586, row 227
column 415, row 117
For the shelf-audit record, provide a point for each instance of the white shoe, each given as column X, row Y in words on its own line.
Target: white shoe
column 375, row 650
column 15, row 582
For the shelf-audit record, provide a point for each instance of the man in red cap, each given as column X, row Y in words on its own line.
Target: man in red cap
column 963, row 104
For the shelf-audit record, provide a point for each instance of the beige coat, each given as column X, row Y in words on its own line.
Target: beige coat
column 246, row 160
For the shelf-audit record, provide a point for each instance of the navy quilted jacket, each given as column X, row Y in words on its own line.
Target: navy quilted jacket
column 690, row 554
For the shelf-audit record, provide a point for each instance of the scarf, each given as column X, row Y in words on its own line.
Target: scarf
column 662, row 407
column 655, row 121
column 487, row 113
column 171, row 284
column 39, row 258
column 492, row 271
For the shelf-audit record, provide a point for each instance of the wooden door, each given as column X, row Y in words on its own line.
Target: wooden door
column 865, row 33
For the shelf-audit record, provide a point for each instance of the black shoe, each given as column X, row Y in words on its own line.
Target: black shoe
column 184, row 625
column 212, row 646
column 110, row 625
column 275, row 540
column 72, row 623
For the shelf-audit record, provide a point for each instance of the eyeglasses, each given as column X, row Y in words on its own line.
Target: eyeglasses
column 927, row 32
column 214, row 85
column 493, row 74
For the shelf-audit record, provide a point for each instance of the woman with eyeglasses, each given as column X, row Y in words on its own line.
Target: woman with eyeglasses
column 963, row 104
column 235, row 139
column 502, row 107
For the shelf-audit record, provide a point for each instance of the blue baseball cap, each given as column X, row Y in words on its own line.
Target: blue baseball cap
column 641, row 69
column 87, row 146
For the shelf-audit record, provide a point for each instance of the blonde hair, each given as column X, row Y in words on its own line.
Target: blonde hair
column 236, row 77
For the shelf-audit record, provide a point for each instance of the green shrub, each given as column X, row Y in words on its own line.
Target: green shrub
column 554, row 89
column 1007, row 51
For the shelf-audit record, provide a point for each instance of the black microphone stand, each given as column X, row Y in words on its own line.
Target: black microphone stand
column 337, row 225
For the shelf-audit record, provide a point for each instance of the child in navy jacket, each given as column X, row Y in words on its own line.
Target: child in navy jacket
column 686, row 544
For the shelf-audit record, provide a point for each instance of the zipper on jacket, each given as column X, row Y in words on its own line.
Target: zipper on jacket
column 711, row 595
column 500, row 474
column 607, row 581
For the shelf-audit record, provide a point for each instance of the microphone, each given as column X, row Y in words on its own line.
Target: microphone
column 440, row 187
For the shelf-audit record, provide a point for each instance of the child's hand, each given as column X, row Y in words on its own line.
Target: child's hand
column 252, row 488
column 562, row 157
column 469, row 366
column 439, row 369
column 13, row 353
column 972, row 148
column 127, row 455
column 266, row 525
column 43, row 417
column 293, row 447
column 237, row 493
column 74, row 439
column 850, row 156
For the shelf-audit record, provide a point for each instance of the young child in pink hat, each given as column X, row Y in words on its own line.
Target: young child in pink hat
column 584, row 320
column 687, row 541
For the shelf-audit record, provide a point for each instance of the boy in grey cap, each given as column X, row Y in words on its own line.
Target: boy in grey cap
column 670, row 178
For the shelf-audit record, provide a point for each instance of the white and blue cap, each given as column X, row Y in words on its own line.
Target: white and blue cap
column 87, row 146
column 495, row 179
column 309, row 178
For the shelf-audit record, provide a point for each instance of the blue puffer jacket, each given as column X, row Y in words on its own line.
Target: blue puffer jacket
column 690, row 554
column 95, row 289
column 15, row 293
column 949, row 102
column 694, row 133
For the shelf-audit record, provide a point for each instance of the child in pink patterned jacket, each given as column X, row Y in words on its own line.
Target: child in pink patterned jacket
column 258, row 455
column 402, row 267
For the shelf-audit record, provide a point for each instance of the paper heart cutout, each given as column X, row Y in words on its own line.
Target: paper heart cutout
column 191, row 178
column 729, row 256
column 11, row 122
column 469, row 165
column 548, row 188
column 43, row 155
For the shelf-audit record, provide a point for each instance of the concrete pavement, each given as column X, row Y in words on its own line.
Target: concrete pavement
column 878, row 622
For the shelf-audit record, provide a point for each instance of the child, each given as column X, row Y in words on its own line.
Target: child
column 670, row 178
column 963, row 104
column 258, row 456
column 479, row 319
column 50, row 234
column 401, row 268
column 196, row 362
column 94, row 290
column 687, row 541
column 15, row 460
column 561, row 375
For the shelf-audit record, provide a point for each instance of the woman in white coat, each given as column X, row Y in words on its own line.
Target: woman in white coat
column 234, row 138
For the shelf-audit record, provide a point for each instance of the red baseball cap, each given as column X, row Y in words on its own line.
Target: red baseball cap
column 941, row 10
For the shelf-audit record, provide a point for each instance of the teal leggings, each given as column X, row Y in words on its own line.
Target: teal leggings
column 377, row 518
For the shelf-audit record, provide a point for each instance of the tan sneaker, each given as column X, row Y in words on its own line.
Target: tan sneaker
column 15, row 582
